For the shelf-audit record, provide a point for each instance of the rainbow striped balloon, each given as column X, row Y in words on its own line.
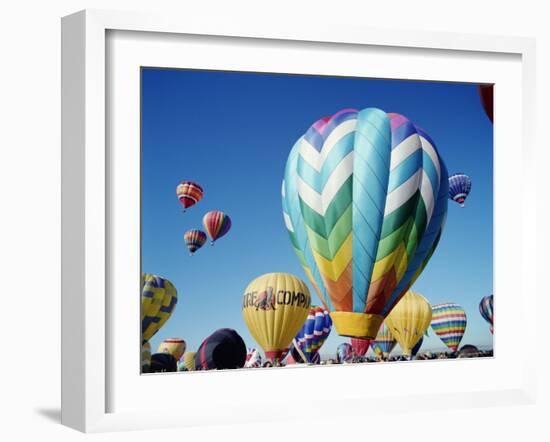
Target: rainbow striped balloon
column 364, row 202
column 449, row 323
column 217, row 224
column 189, row 193
column 194, row 240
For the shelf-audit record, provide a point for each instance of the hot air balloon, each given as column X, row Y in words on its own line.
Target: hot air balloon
column 344, row 353
column 313, row 333
column 468, row 351
column 173, row 346
column 275, row 306
column 189, row 360
column 449, row 323
column 459, row 187
column 360, row 346
column 145, row 357
column 163, row 363
column 486, row 97
column 409, row 320
column 189, row 193
column 223, row 349
column 158, row 300
column 416, row 348
column 384, row 342
column 253, row 358
column 217, row 224
column 194, row 239
column 486, row 310
column 364, row 202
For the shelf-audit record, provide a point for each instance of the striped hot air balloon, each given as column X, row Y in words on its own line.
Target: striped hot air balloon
column 189, row 193
column 313, row 333
column 344, row 353
column 364, row 202
column 449, row 323
column 253, row 358
column 217, row 224
column 174, row 346
column 158, row 300
column 384, row 342
column 486, row 310
column 459, row 187
column 194, row 240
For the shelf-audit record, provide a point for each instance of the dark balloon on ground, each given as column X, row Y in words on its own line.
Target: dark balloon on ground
column 468, row 351
column 163, row 363
column 223, row 349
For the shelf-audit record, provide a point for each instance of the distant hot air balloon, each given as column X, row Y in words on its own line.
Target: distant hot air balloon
column 468, row 351
column 275, row 306
column 174, row 346
column 163, row 363
column 158, row 300
column 223, row 349
column 189, row 193
column 486, row 310
column 194, row 239
column 449, row 323
column 364, row 202
column 409, row 320
column 459, row 187
column 344, row 353
column 189, row 360
column 360, row 346
column 217, row 224
column 253, row 358
column 313, row 333
column 384, row 342
column 486, row 97
column 416, row 348
column 145, row 357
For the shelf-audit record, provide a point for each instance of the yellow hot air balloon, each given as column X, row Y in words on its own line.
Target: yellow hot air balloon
column 189, row 360
column 275, row 306
column 158, row 300
column 145, row 357
column 409, row 320
column 173, row 346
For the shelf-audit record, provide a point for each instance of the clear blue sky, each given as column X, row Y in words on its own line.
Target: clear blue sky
column 232, row 132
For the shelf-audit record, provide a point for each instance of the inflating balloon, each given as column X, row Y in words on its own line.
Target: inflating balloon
column 344, row 353
column 158, row 300
column 217, row 224
column 384, row 342
column 449, row 323
column 459, row 187
column 275, row 306
column 486, row 310
column 174, row 346
column 364, row 201
column 163, row 363
column 189, row 193
column 313, row 333
column 223, row 349
column 409, row 320
column 253, row 358
column 194, row 240
column 468, row 351
column 189, row 360
column 145, row 357
column 360, row 346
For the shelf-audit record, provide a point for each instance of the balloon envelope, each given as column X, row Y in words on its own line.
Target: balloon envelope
column 189, row 193
column 364, row 201
column 360, row 346
column 163, row 363
column 416, row 348
column 194, row 239
column 486, row 310
column 460, row 186
column 158, row 300
column 217, row 224
column 313, row 333
column 145, row 357
column 409, row 320
column 253, row 358
column 223, row 349
column 486, row 97
column 449, row 323
column 189, row 360
column 384, row 342
column 174, row 346
column 344, row 353
column 468, row 351
column 274, row 308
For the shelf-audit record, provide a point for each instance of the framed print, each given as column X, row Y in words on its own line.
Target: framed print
column 354, row 185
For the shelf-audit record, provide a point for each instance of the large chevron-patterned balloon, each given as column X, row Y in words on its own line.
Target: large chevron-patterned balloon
column 364, row 202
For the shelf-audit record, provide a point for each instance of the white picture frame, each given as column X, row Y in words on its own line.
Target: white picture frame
column 87, row 229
